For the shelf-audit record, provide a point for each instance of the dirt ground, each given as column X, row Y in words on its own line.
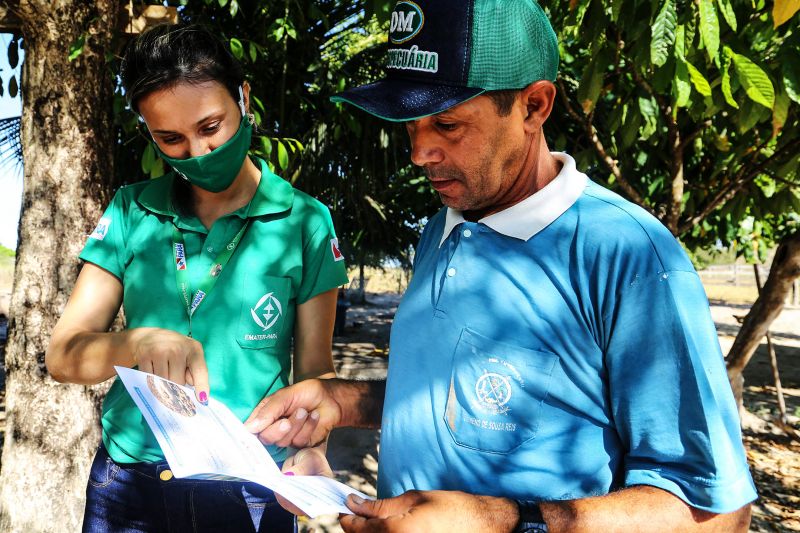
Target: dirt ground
column 774, row 458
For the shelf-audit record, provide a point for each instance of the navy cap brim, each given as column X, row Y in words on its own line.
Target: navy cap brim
column 403, row 100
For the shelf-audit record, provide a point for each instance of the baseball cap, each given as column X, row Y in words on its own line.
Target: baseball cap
column 445, row 52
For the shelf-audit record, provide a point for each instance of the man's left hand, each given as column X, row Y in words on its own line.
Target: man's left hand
column 431, row 511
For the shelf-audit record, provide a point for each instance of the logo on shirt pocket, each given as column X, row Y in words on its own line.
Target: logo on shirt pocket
column 496, row 393
column 261, row 322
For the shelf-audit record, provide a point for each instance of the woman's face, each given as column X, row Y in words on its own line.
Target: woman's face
column 190, row 120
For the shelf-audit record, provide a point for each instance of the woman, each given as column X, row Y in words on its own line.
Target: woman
column 222, row 268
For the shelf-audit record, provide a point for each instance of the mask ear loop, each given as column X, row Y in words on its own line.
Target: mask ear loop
column 250, row 116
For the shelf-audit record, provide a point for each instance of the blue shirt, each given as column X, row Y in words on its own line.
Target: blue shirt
column 560, row 349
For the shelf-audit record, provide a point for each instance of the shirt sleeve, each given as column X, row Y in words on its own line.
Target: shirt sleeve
column 105, row 246
column 323, row 263
column 671, row 402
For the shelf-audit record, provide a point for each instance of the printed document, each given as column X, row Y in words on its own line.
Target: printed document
column 210, row 442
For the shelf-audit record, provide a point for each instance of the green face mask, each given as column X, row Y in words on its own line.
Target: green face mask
column 216, row 170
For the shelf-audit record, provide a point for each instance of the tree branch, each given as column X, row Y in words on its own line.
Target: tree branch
column 740, row 180
column 609, row 162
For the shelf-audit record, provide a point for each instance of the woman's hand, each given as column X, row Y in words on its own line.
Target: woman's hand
column 306, row 462
column 83, row 351
column 172, row 356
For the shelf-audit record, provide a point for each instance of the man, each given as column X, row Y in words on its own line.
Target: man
column 553, row 364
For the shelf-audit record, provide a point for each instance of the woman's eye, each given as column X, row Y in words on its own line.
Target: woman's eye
column 211, row 128
column 170, row 140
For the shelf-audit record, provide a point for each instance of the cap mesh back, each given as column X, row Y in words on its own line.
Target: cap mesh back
column 513, row 45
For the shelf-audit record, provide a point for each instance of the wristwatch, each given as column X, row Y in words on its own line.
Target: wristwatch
column 530, row 518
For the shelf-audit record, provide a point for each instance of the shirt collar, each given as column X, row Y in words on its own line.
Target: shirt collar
column 525, row 219
column 273, row 195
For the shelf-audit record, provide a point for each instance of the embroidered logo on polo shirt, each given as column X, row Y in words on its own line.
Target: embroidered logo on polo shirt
column 407, row 21
column 337, row 253
column 493, row 392
column 101, row 230
column 265, row 313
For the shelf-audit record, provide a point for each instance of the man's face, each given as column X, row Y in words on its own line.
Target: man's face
column 471, row 154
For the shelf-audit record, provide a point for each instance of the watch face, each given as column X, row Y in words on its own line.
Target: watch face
column 530, row 518
column 530, row 527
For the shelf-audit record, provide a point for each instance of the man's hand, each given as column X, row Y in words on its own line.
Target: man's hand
column 432, row 512
column 301, row 415
column 306, row 462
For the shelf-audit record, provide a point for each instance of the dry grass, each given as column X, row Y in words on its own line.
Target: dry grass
column 731, row 294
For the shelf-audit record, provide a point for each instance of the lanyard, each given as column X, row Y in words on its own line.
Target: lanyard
column 209, row 280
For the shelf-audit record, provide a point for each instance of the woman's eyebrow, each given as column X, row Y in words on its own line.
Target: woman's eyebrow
column 199, row 122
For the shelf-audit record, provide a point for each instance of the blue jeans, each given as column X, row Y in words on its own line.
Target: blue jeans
column 134, row 498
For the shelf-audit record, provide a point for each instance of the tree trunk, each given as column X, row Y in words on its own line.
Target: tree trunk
column 52, row 430
column 785, row 269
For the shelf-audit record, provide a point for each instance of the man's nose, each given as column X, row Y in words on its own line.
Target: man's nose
column 425, row 149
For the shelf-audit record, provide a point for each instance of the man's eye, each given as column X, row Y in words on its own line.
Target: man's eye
column 446, row 126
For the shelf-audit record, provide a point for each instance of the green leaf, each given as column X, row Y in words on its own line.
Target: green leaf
column 755, row 81
column 726, row 9
column 158, row 169
column 253, row 51
column 148, row 158
column 223, row 3
column 76, row 48
column 616, row 8
column 791, row 78
column 649, row 110
column 234, row 8
column 591, row 84
column 682, row 89
column 709, row 27
column 13, row 87
column 727, row 54
column 237, row 48
column 266, row 145
column 283, row 156
column 663, row 33
column 780, row 111
column 698, row 80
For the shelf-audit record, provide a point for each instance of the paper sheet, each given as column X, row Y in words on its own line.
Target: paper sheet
column 210, row 442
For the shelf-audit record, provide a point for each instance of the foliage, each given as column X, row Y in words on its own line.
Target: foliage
column 6, row 252
column 694, row 115
column 296, row 55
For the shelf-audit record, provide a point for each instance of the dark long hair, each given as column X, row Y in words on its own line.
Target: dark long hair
column 166, row 55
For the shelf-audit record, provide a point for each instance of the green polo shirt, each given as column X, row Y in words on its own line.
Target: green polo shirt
column 288, row 255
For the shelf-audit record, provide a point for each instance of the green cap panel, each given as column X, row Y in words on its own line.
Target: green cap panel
column 513, row 45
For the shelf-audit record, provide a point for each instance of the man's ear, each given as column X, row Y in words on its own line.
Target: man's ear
column 538, row 98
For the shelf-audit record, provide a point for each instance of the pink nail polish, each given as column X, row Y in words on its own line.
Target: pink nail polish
column 288, row 473
column 203, row 398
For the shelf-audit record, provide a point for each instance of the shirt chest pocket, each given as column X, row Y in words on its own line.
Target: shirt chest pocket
column 496, row 393
column 264, row 312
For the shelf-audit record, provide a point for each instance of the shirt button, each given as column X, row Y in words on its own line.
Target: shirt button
column 467, row 233
column 451, row 272
column 165, row 475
